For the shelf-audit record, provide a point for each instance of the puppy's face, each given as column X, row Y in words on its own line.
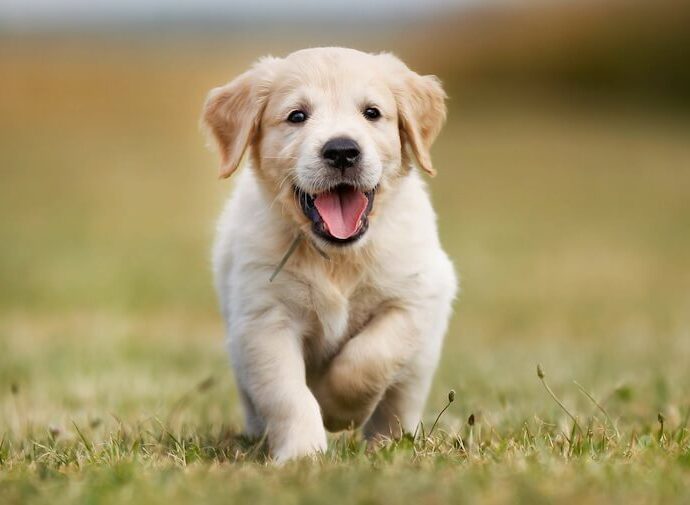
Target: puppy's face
column 332, row 130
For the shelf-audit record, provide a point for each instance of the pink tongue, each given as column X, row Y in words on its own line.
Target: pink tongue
column 341, row 210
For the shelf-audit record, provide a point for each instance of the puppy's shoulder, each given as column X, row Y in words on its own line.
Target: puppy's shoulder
column 244, row 212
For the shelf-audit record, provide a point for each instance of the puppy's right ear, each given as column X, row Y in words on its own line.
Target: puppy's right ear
column 232, row 113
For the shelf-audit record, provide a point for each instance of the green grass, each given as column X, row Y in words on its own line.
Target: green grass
column 567, row 222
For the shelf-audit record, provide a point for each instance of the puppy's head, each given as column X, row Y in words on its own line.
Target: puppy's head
column 330, row 132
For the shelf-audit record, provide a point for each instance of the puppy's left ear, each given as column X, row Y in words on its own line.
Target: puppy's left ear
column 421, row 111
column 232, row 113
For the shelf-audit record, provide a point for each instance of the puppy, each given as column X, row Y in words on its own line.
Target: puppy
column 349, row 332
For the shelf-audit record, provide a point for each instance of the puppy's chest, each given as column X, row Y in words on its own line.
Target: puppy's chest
column 338, row 312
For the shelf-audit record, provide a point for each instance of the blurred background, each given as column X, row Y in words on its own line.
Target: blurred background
column 563, row 196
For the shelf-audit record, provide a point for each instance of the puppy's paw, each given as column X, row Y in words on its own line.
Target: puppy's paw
column 300, row 443
column 335, row 423
column 299, row 432
column 341, row 412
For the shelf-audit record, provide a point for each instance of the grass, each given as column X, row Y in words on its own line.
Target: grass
column 567, row 222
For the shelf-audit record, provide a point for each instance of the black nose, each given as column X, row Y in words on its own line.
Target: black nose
column 340, row 152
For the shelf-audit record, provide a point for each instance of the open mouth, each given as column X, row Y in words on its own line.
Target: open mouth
column 339, row 215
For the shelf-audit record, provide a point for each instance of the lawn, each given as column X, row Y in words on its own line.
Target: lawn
column 569, row 223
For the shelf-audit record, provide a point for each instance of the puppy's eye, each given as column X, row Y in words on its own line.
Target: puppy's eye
column 372, row 113
column 297, row 116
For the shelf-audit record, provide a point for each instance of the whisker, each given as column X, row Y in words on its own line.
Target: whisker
column 281, row 186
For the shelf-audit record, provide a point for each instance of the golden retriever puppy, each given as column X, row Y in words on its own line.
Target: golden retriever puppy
column 349, row 332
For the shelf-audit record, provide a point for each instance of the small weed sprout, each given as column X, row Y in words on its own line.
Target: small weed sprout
column 451, row 399
column 542, row 378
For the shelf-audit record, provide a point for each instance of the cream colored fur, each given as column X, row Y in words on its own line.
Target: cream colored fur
column 353, row 340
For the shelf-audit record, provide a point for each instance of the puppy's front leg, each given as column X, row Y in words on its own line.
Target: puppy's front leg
column 270, row 367
column 366, row 366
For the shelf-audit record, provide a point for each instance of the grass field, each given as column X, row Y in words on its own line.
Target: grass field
column 569, row 224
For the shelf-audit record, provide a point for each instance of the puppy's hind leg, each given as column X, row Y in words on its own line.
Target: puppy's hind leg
column 400, row 409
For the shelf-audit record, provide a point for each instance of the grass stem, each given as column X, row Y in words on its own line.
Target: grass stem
column 451, row 399
column 603, row 411
column 542, row 378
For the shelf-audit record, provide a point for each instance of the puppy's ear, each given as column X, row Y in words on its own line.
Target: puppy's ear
column 232, row 113
column 421, row 110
